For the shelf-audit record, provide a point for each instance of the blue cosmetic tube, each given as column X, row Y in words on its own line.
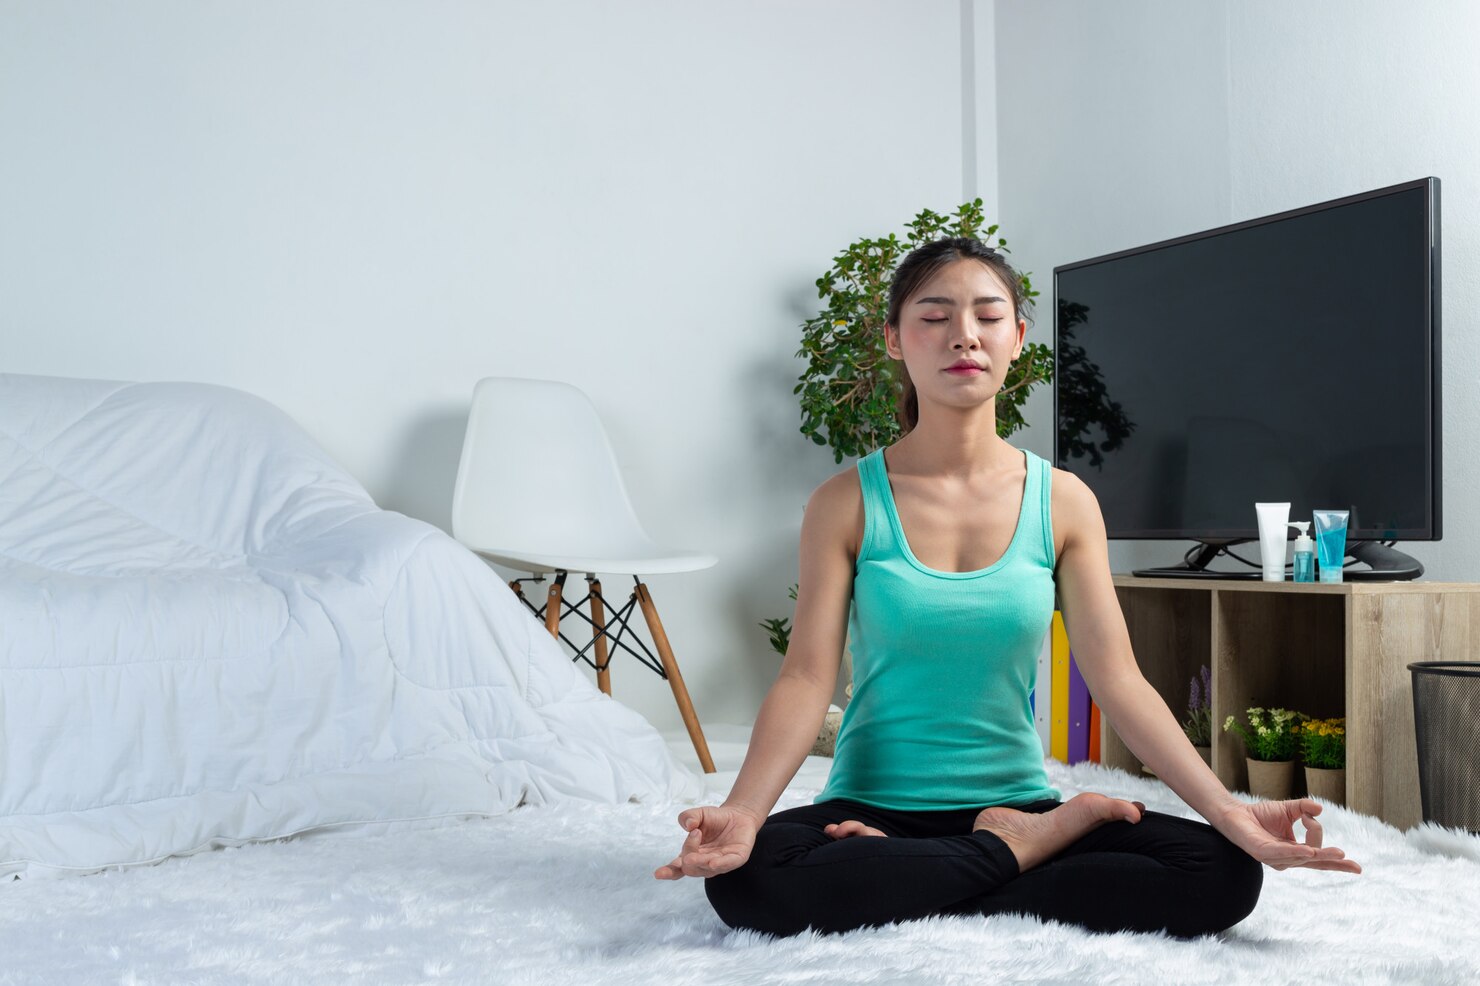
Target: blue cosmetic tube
column 1330, row 543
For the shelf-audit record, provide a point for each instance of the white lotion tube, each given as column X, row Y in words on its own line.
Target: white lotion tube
column 1274, row 526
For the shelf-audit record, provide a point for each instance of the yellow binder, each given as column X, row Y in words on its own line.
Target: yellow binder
column 1059, row 736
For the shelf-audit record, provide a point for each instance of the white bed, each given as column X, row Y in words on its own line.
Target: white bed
column 210, row 635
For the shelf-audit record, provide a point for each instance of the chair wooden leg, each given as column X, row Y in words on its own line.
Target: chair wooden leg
column 552, row 606
column 598, row 615
column 675, row 680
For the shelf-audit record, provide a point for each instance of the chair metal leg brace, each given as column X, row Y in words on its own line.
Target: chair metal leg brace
column 599, row 639
column 555, row 609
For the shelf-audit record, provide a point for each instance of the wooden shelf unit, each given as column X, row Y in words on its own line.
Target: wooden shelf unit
column 1326, row 650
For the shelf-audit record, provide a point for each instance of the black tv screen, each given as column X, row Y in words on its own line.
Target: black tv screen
column 1294, row 357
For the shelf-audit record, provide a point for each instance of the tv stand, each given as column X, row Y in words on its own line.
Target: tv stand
column 1325, row 649
column 1388, row 563
column 1385, row 564
column 1197, row 566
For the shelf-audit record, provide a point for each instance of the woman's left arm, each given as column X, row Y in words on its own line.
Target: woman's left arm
column 1102, row 652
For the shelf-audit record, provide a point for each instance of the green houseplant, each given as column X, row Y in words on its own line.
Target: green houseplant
column 1271, row 750
column 849, row 389
column 1323, row 748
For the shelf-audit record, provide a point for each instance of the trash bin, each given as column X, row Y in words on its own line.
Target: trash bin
column 1446, row 718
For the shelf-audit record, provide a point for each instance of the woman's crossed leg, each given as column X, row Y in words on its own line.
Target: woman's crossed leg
column 1108, row 873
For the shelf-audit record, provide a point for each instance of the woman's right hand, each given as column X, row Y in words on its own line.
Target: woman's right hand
column 720, row 839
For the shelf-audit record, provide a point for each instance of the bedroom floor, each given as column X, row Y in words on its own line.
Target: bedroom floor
column 564, row 893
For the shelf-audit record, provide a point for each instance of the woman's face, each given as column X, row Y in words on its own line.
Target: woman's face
column 963, row 312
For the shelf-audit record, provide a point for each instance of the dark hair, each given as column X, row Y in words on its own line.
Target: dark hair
column 919, row 266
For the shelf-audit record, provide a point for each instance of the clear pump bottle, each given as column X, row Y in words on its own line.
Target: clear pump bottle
column 1305, row 557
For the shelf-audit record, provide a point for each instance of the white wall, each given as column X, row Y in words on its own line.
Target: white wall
column 357, row 209
column 1127, row 123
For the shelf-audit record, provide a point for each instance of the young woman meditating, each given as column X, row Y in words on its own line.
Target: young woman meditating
column 949, row 546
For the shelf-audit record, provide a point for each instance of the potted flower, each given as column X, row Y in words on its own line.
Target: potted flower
column 1199, row 725
column 1323, row 748
column 1270, row 750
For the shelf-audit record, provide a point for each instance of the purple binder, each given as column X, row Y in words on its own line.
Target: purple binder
column 1078, row 714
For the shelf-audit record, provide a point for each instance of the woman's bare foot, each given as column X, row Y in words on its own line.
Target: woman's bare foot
column 1034, row 838
column 841, row 830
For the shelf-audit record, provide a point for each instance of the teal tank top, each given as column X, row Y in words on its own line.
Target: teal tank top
column 943, row 663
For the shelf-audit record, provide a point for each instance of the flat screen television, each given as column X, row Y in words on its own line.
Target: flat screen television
column 1294, row 357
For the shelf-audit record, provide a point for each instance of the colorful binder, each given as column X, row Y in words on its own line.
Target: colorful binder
column 1094, row 731
column 1078, row 717
column 1041, row 695
column 1065, row 713
column 1059, row 692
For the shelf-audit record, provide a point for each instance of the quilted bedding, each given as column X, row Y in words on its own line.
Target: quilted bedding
column 210, row 635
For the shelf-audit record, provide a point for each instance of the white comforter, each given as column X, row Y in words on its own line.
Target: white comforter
column 210, row 634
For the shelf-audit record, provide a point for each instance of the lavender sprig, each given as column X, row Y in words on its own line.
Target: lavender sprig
column 1199, row 727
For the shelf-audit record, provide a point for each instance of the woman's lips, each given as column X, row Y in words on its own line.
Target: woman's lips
column 965, row 370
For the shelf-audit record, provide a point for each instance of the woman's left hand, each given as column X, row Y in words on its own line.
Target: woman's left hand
column 1265, row 830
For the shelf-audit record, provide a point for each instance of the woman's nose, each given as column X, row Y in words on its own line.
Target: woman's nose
column 965, row 331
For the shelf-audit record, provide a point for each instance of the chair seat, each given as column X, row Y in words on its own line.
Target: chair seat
column 539, row 490
column 656, row 561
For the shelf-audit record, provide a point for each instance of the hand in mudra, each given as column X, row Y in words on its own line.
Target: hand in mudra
column 1266, row 831
column 720, row 840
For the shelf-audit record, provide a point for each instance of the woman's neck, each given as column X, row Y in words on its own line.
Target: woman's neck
column 963, row 449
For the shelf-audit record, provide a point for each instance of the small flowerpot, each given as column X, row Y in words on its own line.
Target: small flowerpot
column 1327, row 783
column 1272, row 780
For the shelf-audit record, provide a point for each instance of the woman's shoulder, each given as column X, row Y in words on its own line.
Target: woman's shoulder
column 1072, row 505
column 837, row 506
column 1067, row 487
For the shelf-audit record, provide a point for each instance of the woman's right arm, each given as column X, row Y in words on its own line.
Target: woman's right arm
column 796, row 705
column 720, row 838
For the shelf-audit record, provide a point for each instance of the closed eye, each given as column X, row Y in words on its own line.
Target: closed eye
column 998, row 319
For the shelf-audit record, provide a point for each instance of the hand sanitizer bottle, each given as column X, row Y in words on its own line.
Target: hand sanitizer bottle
column 1305, row 558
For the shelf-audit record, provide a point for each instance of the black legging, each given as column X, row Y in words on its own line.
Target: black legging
column 1161, row 873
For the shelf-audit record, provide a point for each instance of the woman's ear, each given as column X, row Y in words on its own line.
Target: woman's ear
column 891, row 341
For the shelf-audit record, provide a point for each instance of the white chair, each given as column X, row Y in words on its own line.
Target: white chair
column 513, row 505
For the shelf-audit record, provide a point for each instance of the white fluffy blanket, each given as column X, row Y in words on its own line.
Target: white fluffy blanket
column 210, row 634
column 564, row 893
